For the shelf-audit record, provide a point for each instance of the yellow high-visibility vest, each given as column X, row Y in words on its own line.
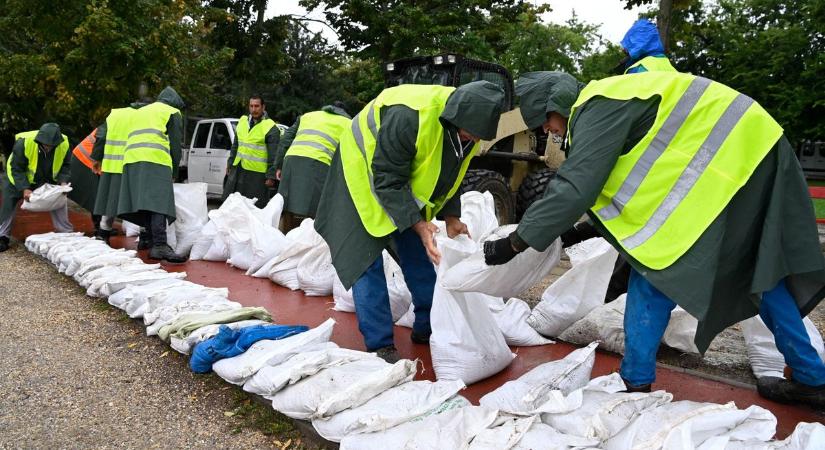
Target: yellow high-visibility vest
column 357, row 147
column 704, row 145
column 252, row 154
column 653, row 64
column 317, row 136
column 147, row 140
column 117, row 132
column 30, row 150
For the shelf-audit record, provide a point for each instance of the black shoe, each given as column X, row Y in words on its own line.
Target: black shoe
column 4, row 243
column 420, row 338
column 164, row 252
column 103, row 235
column 144, row 240
column 641, row 388
column 388, row 354
column 789, row 391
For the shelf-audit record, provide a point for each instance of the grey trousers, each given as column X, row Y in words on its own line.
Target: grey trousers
column 60, row 220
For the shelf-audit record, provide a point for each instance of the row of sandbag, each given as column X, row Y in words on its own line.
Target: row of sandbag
column 365, row 403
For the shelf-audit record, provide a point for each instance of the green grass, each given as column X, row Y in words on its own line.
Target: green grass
column 819, row 207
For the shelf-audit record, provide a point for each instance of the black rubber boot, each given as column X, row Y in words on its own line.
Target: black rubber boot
column 103, row 235
column 646, row 388
column 4, row 243
column 789, row 391
column 165, row 253
column 420, row 338
column 144, row 240
column 388, row 354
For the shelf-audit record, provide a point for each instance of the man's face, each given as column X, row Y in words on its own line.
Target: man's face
column 555, row 124
column 256, row 109
column 465, row 135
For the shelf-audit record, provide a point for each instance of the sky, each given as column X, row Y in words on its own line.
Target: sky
column 610, row 13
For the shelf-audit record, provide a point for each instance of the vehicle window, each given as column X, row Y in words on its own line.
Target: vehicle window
column 220, row 137
column 201, row 135
column 807, row 148
column 234, row 124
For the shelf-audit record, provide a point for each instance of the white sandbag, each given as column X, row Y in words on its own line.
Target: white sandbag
column 190, row 309
column 316, row 275
column 504, row 434
column 130, row 229
column 342, row 297
column 507, row 280
column 75, row 265
column 284, row 269
column 232, row 222
column 218, row 249
column 190, row 214
column 466, row 343
column 240, row 254
column 766, row 361
column 543, row 436
column 178, row 296
column 186, row 345
column 34, row 241
column 73, row 259
column 103, row 262
column 680, row 331
column 238, row 369
column 115, row 284
column 408, row 319
column 604, row 414
column 48, row 197
column 203, row 242
column 270, row 215
column 133, row 297
column 512, row 320
column 578, row 291
column 687, row 424
column 310, row 361
column 337, row 388
column 806, row 436
column 478, row 212
column 451, row 429
column 265, row 243
column 392, row 407
column 526, row 394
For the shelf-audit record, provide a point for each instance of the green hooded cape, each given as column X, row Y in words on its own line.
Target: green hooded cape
column 475, row 106
column 766, row 233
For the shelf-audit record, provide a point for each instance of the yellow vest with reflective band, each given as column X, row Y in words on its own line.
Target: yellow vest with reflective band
column 30, row 150
column 704, row 145
column 147, row 140
column 357, row 147
column 252, row 154
column 654, row 64
column 117, row 132
column 317, row 136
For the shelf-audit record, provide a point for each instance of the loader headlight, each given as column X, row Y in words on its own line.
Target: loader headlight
column 451, row 59
column 390, row 67
column 438, row 60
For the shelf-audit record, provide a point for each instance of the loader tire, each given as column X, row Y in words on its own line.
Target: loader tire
column 532, row 188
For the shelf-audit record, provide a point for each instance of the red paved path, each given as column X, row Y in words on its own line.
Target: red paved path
column 292, row 307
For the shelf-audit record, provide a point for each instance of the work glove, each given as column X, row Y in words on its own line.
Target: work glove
column 580, row 232
column 501, row 251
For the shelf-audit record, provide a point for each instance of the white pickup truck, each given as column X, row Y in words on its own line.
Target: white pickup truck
column 205, row 160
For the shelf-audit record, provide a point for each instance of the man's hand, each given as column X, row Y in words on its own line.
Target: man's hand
column 97, row 168
column 498, row 252
column 426, row 231
column 26, row 194
column 278, row 174
column 455, row 226
column 269, row 182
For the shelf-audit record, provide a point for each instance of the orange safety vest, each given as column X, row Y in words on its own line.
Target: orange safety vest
column 83, row 151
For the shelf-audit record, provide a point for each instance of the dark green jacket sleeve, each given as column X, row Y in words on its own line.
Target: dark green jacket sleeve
column 273, row 136
column 602, row 130
column 64, row 175
column 100, row 143
column 19, row 165
column 452, row 207
column 392, row 165
column 286, row 141
column 174, row 129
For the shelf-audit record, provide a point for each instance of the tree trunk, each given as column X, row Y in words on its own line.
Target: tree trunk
column 663, row 22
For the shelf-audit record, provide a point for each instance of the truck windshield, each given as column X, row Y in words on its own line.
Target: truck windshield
column 423, row 74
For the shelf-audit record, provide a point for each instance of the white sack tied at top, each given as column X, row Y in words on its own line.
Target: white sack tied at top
column 191, row 214
column 48, row 197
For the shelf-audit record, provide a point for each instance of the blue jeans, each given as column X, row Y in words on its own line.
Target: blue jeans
column 372, row 300
column 648, row 312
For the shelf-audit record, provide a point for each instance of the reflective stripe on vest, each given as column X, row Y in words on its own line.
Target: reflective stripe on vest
column 704, row 145
column 317, row 136
column 30, row 150
column 83, row 151
column 357, row 147
column 252, row 154
column 147, row 140
column 653, row 64
column 118, row 124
